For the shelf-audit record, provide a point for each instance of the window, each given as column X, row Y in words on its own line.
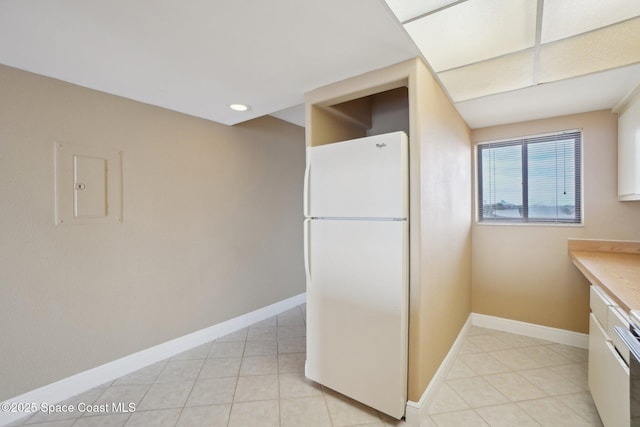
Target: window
column 534, row 179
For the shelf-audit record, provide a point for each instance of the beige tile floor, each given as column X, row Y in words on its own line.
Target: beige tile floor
column 502, row 379
column 255, row 377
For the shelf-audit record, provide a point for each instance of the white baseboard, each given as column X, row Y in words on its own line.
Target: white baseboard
column 416, row 410
column 83, row 381
column 560, row 336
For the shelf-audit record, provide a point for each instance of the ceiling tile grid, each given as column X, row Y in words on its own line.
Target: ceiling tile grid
column 409, row 9
column 491, row 48
column 474, row 31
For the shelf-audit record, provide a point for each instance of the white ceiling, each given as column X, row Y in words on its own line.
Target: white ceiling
column 199, row 56
column 500, row 61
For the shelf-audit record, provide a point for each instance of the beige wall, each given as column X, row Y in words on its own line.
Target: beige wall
column 442, row 303
column 211, row 229
column 524, row 272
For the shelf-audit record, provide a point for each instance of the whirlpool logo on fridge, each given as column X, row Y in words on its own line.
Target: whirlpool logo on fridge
column 381, row 145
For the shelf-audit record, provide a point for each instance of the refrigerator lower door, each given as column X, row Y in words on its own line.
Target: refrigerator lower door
column 357, row 314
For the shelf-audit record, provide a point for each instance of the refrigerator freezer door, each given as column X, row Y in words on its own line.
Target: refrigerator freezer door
column 361, row 178
column 357, row 294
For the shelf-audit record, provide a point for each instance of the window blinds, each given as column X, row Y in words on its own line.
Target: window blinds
column 532, row 179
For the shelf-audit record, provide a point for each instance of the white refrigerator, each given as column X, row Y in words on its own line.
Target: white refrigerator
column 356, row 263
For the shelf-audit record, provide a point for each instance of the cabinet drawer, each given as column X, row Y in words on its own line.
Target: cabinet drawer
column 617, row 317
column 599, row 303
column 597, row 375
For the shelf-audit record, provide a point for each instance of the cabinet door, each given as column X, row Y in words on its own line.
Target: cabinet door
column 597, row 366
column 629, row 152
column 616, row 412
column 608, row 378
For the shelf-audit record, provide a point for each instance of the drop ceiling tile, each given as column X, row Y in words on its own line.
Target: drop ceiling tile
column 501, row 74
column 603, row 49
column 592, row 92
column 566, row 18
column 407, row 9
column 474, row 31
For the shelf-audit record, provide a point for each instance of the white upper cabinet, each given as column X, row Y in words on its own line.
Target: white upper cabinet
column 629, row 151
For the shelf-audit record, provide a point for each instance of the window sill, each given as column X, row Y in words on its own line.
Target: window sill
column 529, row 224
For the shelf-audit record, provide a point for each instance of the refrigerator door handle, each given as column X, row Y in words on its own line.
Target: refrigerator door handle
column 307, row 173
column 307, row 267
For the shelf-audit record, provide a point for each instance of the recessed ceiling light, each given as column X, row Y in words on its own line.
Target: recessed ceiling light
column 239, row 107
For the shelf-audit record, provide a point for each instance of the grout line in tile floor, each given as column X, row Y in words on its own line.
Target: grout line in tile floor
column 503, row 379
column 255, row 377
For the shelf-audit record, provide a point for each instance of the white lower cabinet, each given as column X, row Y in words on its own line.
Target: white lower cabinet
column 608, row 372
column 597, row 370
column 617, row 374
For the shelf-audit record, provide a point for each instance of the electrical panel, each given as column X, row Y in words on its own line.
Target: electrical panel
column 88, row 187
